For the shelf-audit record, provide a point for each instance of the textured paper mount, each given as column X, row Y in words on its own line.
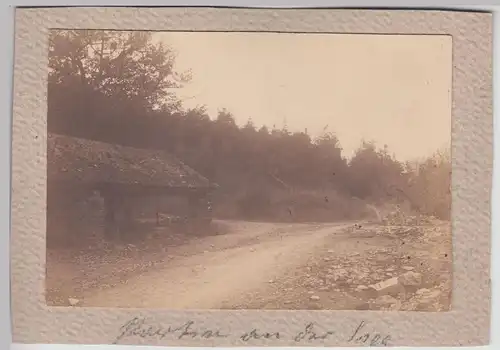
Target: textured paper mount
column 468, row 322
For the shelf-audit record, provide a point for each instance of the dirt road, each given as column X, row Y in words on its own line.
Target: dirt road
column 220, row 271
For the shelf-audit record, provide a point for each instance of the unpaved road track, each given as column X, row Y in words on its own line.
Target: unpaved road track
column 218, row 271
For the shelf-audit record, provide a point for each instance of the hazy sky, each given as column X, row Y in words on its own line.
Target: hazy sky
column 392, row 89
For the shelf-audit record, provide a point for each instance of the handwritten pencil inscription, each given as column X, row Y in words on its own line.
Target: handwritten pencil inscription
column 137, row 327
column 311, row 333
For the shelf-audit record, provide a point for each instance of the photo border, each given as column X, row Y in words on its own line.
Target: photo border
column 466, row 324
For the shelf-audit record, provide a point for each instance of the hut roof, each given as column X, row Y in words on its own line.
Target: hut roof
column 88, row 161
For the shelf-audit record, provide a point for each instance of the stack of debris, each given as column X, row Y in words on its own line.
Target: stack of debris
column 425, row 300
column 403, row 292
column 398, row 218
column 393, row 218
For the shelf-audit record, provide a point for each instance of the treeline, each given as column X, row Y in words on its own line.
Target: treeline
column 120, row 87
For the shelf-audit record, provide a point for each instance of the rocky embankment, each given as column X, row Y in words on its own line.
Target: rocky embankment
column 403, row 263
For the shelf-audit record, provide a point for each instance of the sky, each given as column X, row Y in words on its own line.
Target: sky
column 392, row 89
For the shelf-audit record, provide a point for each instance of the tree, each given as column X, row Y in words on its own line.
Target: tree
column 430, row 185
column 374, row 174
column 101, row 80
column 124, row 65
column 330, row 158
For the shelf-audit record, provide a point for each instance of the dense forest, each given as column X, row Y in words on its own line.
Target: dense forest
column 122, row 87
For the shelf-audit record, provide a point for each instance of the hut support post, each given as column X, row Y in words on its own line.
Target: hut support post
column 157, row 207
column 128, row 214
column 118, row 215
column 198, row 206
column 110, row 219
column 194, row 205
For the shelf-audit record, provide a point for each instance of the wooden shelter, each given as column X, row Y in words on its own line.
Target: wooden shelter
column 76, row 166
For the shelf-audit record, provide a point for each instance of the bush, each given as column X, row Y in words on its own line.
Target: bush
column 299, row 206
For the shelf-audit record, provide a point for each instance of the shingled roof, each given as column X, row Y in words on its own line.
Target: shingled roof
column 88, row 161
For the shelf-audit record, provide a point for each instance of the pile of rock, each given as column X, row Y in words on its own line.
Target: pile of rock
column 440, row 232
column 396, row 286
column 400, row 231
column 393, row 218
column 424, row 300
column 403, row 293
column 398, row 218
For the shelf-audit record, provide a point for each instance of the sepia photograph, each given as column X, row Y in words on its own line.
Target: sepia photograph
column 234, row 177
column 202, row 170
